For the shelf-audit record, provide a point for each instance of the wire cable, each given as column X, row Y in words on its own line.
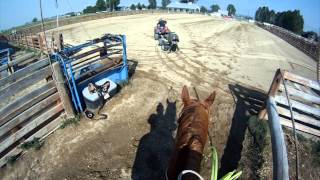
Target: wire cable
column 82, row 26
column 293, row 127
column 45, row 37
column 43, row 30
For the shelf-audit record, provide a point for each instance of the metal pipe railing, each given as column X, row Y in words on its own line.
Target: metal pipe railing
column 279, row 150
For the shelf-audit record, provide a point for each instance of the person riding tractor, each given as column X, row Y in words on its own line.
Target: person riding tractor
column 162, row 22
column 161, row 29
column 167, row 40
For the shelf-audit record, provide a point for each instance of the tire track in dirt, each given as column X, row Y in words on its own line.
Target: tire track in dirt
column 193, row 78
column 184, row 57
column 163, row 60
column 234, row 53
column 196, row 49
column 214, row 39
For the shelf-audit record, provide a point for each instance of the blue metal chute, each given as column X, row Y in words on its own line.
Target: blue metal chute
column 5, row 55
column 103, row 57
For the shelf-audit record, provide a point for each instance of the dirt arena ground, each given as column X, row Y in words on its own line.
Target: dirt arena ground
column 236, row 59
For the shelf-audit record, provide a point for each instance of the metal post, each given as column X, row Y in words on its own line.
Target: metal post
column 124, row 57
column 75, row 89
column 279, row 150
column 10, row 67
column 57, row 20
column 69, row 82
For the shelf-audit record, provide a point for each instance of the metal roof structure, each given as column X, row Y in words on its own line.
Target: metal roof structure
column 178, row 5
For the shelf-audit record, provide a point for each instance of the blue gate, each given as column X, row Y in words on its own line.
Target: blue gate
column 104, row 57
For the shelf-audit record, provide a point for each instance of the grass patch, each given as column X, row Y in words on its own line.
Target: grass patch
column 72, row 121
column 255, row 147
column 258, row 129
column 301, row 138
column 316, row 152
column 12, row 159
column 34, row 144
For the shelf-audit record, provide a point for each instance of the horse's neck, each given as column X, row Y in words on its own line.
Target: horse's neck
column 184, row 159
column 191, row 159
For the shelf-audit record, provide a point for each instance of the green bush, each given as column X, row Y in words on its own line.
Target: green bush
column 12, row 159
column 316, row 151
column 68, row 122
column 35, row 144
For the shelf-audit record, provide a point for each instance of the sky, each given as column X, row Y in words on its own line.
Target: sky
column 18, row 12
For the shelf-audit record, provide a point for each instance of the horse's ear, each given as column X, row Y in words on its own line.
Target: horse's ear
column 208, row 102
column 185, row 95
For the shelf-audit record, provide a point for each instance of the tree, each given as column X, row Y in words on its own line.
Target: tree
column 133, row 7
column 290, row 20
column 215, row 8
column 34, row 20
column 231, row 10
column 152, row 4
column 101, row 5
column 272, row 16
column 113, row 4
column 203, row 9
column 90, row 9
column 258, row 14
column 165, row 3
column 263, row 14
column 139, row 7
column 143, row 6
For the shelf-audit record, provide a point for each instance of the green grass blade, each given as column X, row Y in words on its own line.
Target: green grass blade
column 236, row 175
column 227, row 176
column 214, row 165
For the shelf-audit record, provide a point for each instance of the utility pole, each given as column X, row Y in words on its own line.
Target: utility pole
column 57, row 15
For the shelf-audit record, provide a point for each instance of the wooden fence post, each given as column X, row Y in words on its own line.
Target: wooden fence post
column 62, row 90
column 10, row 67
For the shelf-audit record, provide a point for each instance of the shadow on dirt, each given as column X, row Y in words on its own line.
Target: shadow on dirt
column 155, row 148
column 248, row 102
column 132, row 66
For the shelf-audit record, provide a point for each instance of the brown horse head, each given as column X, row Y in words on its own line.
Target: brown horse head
column 191, row 136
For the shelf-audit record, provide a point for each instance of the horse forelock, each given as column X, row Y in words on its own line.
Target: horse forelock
column 192, row 107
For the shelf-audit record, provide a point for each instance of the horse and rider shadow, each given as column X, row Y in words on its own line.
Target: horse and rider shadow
column 160, row 155
column 155, row 147
column 248, row 103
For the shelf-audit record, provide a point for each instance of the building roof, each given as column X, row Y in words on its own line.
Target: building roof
column 179, row 5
